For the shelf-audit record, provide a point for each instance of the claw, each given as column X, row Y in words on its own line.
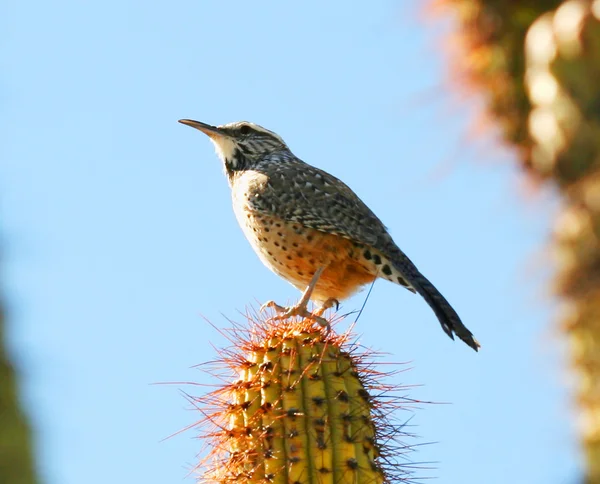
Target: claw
column 291, row 311
column 274, row 305
column 300, row 308
column 329, row 303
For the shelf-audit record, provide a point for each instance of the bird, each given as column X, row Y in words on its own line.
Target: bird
column 311, row 229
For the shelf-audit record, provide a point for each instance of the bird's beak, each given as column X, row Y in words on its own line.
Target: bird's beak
column 207, row 129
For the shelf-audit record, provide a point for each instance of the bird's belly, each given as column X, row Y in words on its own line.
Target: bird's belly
column 295, row 253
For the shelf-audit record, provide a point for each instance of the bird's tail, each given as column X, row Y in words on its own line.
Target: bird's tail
column 447, row 316
column 449, row 319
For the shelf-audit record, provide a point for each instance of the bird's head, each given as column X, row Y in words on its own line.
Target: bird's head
column 240, row 145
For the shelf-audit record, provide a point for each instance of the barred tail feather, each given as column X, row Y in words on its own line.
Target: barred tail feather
column 449, row 319
column 447, row 316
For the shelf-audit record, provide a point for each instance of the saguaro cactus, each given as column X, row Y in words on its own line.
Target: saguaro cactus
column 16, row 456
column 302, row 408
column 537, row 63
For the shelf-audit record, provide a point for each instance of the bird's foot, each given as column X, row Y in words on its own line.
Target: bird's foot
column 329, row 303
column 285, row 312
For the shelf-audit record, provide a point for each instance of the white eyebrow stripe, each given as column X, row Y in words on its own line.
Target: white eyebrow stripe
column 255, row 127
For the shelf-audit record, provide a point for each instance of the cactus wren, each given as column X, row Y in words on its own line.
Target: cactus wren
column 312, row 229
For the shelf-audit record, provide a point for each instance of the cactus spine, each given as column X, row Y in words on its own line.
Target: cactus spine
column 301, row 410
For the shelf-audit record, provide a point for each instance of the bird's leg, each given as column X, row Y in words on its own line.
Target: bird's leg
column 300, row 309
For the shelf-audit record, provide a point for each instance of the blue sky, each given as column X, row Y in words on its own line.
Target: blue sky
column 119, row 235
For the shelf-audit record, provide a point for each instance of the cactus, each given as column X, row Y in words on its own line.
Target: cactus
column 537, row 64
column 562, row 81
column 302, row 408
column 16, row 455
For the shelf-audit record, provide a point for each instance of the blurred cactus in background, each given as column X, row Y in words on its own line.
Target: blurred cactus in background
column 536, row 64
column 16, row 461
column 300, row 406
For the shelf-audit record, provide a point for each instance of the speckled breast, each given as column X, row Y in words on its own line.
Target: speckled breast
column 295, row 252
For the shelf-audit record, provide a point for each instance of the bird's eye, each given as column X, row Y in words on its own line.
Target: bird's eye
column 245, row 129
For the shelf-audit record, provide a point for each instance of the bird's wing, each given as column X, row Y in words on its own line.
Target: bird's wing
column 301, row 193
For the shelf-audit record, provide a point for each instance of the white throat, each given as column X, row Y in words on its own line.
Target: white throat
column 225, row 148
